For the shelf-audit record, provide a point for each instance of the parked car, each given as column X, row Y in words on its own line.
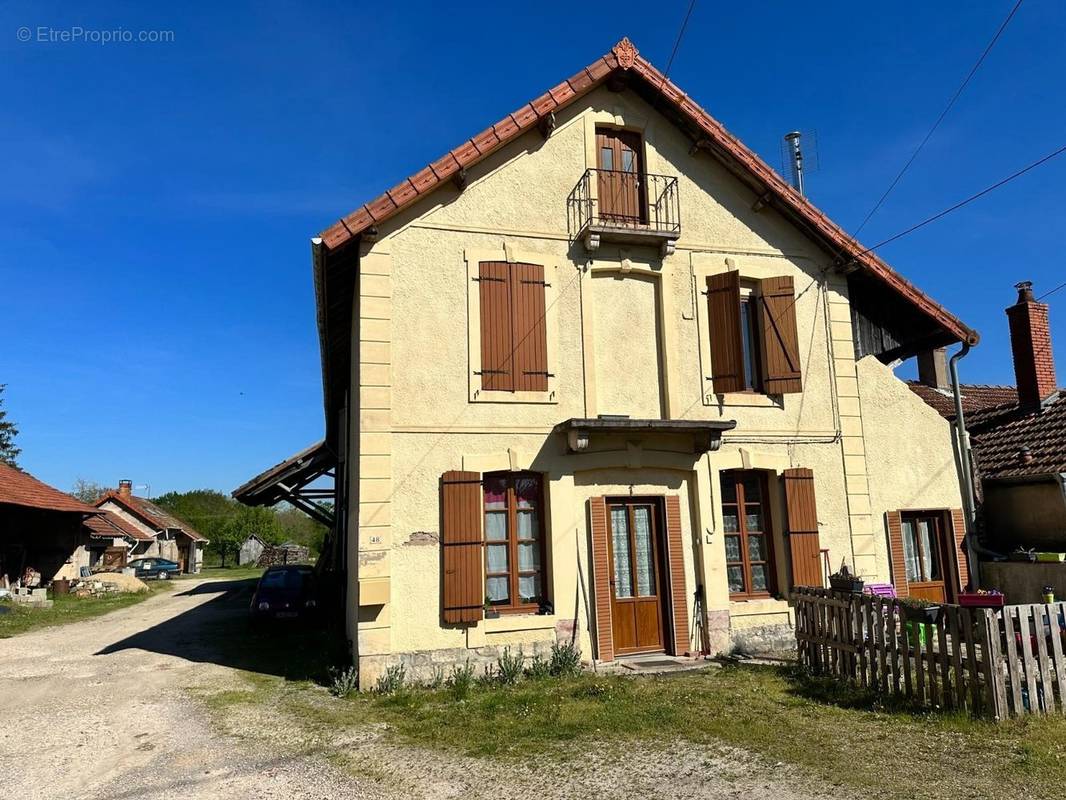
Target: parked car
column 160, row 568
column 285, row 593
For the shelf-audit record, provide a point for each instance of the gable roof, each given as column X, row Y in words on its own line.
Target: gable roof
column 19, row 488
column 109, row 525
column 151, row 514
column 711, row 136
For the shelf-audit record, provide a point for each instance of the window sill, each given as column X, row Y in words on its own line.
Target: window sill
column 485, row 396
column 518, row 621
column 743, row 399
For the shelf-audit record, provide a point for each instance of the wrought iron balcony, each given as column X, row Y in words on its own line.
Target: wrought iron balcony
column 630, row 207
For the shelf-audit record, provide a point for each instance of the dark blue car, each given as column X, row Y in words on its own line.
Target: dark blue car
column 285, row 593
column 160, row 568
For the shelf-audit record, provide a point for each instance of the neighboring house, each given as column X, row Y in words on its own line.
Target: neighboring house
column 169, row 537
column 111, row 540
column 41, row 527
column 599, row 373
column 251, row 549
column 1018, row 436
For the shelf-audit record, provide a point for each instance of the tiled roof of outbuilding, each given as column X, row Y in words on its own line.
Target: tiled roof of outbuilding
column 624, row 58
column 1009, row 442
column 975, row 396
column 22, row 489
column 110, row 524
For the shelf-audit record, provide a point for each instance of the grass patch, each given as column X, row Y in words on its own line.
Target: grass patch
column 844, row 738
column 66, row 608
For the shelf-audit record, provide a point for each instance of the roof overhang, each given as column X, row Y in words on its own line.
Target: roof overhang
column 291, row 480
column 704, row 436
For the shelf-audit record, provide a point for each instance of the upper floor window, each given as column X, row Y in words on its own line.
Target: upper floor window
column 754, row 341
column 514, row 339
column 514, row 541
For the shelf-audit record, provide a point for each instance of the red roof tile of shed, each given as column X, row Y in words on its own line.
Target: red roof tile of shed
column 19, row 488
column 625, row 58
column 109, row 524
column 975, row 397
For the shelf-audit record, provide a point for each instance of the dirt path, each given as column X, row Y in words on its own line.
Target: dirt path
column 103, row 709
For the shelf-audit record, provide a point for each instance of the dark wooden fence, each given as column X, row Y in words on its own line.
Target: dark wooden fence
column 996, row 664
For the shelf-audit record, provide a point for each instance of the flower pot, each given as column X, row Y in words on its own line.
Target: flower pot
column 491, row 613
column 853, row 585
column 975, row 600
column 929, row 614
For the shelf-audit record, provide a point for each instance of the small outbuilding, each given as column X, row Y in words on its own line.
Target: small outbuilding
column 251, row 549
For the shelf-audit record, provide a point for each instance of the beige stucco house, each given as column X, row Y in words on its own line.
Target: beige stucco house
column 599, row 374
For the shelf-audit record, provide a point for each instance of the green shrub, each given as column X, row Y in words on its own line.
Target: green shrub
column 437, row 681
column 509, row 666
column 392, row 680
column 565, row 660
column 539, row 668
column 460, row 681
column 343, row 682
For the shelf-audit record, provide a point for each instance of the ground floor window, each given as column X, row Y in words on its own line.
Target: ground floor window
column 748, row 547
column 514, row 541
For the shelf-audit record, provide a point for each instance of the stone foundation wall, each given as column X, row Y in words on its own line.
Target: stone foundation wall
column 424, row 666
column 763, row 640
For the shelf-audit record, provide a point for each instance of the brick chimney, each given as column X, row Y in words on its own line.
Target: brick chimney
column 125, row 488
column 1030, row 341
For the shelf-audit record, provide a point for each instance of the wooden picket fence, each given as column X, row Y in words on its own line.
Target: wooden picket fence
column 995, row 664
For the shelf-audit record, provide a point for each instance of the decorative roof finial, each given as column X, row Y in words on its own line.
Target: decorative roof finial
column 626, row 52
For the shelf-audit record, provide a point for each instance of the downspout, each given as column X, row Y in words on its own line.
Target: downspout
column 966, row 467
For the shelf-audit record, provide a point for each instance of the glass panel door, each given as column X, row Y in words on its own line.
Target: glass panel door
column 645, row 551
column 623, row 560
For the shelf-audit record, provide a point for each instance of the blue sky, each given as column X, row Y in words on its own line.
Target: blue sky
column 158, row 199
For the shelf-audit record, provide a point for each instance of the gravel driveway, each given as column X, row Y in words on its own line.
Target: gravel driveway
column 106, row 709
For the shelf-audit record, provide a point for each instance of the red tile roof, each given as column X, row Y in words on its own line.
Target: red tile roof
column 151, row 514
column 730, row 150
column 1009, row 442
column 19, row 488
column 109, row 525
column 975, row 397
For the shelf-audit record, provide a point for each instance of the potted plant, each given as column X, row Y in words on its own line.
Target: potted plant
column 917, row 610
column 982, row 598
column 843, row 581
column 490, row 612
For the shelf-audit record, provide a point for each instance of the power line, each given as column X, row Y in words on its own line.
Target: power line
column 944, row 113
column 966, row 202
column 677, row 42
column 1048, row 294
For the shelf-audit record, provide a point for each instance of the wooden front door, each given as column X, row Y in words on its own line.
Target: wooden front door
column 635, row 544
column 621, row 172
column 923, row 552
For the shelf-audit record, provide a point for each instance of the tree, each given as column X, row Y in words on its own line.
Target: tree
column 87, row 491
column 206, row 510
column 247, row 521
column 9, row 453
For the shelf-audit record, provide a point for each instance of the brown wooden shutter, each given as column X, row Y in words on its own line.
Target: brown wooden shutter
column 802, row 518
column 494, row 278
column 723, row 317
column 601, row 579
column 894, row 520
column 461, row 543
column 530, row 333
column 780, row 337
column 676, row 561
column 958, row 528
